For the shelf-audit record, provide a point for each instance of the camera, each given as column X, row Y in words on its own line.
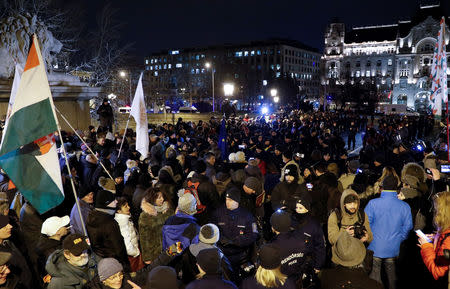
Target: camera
column 359, row 230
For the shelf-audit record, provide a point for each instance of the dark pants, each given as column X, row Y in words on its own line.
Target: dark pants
column 351, row 139
column 389, row 268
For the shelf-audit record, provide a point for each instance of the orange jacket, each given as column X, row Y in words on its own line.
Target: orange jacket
column 432, row 255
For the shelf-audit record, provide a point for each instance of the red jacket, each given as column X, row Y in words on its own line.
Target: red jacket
column 433, row 255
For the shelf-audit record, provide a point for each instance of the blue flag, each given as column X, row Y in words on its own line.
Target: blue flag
column 222, row 144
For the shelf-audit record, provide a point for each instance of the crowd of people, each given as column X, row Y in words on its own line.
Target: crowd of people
column 296, row 200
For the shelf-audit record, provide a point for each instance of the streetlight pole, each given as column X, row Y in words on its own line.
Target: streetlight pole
column 123, row 74
column 208, row 65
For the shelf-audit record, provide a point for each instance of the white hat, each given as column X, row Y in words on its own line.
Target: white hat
column 53, row 224
column 187, row 204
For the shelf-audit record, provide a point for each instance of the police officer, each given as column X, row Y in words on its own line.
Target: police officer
column 292, row 246
column 238, row 230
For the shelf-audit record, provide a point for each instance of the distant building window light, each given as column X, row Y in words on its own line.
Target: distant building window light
column 151, row 67
column 390, row 62
column 165, row 66
column 179, row 65
column 156, row 73
column 264, row 82
column 358, row 73
column 252, row 53
column 258, row 52
column 368, row 73
column 192, row 70
column 151, row 61
column 245, row 53
column 197, row 57
column 203, row 70
column 165, row 59
column 197, row 71
column 278, row 74
column 159, row 66
column 278, row 67
column 238, row 53
column 173, row 52
column 146, row 61
column 203, row 55
column 169, row 66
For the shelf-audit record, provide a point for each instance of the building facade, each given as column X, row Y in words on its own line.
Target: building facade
column 397, row 58
column 252, row 68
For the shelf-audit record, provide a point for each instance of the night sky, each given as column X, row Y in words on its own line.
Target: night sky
column 154, row 25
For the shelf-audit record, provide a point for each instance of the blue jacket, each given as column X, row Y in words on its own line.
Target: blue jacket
column 390, row 220
column 180, row 228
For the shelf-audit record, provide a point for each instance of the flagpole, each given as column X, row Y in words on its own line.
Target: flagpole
column 90, row 150
column 123, row 137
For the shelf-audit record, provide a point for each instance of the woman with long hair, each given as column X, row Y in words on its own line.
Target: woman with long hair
column 268, row 274
column 156, row 208
column 435, row 252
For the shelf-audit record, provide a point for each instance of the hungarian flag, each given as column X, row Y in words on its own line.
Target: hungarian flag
column 28, row 151
column 139, row 112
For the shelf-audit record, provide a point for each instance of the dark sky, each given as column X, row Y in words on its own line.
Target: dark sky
column 154, row 25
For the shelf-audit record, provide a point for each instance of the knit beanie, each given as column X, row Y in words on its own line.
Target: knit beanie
column 269, row 256
column 234, row 194
column 108, row 267
column 304, row 199
column 83, row 191
column 254, row 184
column 281, row 221
column 291, row 170
column 187, row 204
column 209, row 260
column 209, row 234
column 162, row 277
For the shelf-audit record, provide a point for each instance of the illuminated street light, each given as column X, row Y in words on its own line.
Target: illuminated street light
column 207, row 65
column 228, row 89
column 273, row 92
column 264, row 110
column 123, row 74
column 276, row 99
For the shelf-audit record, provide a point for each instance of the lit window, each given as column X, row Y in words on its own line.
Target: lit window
column 146, row 61
column 173, row 52
column 390, row 62
column 192, row 71
column 358, row 73
column 368, row 73
column 258, row 52
column 169, row 66
column 278, row 74
column 252, row 53
column 238, row 54
column 179, row 65
column 197, row 57
column 156, row 73
column 197, row 71
column 165, row 66
column 151, row 67
column 264, row 82
column 151, row 61
column 245, row 53
column 278, row 67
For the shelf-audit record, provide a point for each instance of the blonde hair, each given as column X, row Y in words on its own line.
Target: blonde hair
column 270, row 278
column 389, row 171
column 442, row 212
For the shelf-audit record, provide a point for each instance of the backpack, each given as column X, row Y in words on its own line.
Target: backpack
column 192, row 188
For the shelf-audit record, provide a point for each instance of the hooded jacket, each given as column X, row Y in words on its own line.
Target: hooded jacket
column 300, row 179
column 66, row 276
column 180, row 228
column 347, row 219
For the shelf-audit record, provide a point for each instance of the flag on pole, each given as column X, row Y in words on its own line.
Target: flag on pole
column 222, row 144
column 139, row 113
column 28, row 152
column 17, row 74
column 439, row 90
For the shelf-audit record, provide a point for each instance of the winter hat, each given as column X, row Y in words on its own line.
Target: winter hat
column 234, row 194
column 348, row 251
column 287, row 154
column 281, row 221
column 291, row 170
column 390, row 183
column 199, row 167
column 107, row 184
column 269, row 256
column 239, row 157
column 162, row 277
column 412, row 181
column 238, row 176
column 83, row 191
column 415, row 170
column 380, row 158
column 75, row 244
column 4, row 220
column 253, row 162
column 209, row 260
column 108, row 267
column 253, row 171
column 187, row 204
column 103, row 199
column 53, row 224
column 329, row 179
column 209, row 234
column 254, row 184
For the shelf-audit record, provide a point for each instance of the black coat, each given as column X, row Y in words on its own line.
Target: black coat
column 106, row 239
column 342, row 277
column 211, row 281
column 44, row 248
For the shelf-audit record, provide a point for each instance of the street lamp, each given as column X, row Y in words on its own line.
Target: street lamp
column 276, row 99
column 123, row 74
column 209, row 65
column 273, row 92
column 228, row 89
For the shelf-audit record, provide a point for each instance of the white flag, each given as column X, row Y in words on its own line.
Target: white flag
column 139, row 113
column 439, row 90
column 17, row 75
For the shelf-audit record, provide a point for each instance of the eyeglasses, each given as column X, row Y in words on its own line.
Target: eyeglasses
column 118, row 275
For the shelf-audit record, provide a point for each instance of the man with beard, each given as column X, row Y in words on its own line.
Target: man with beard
column 283, row 193
column 349, row 218
column 71, row 267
